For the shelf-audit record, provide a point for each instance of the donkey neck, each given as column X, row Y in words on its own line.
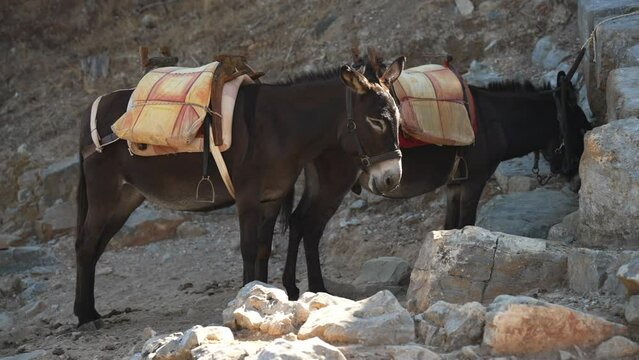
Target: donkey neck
column 527, row 119
column 307, row 115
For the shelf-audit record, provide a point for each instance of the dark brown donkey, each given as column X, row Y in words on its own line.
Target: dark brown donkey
column 514, row 120
column 276, row 130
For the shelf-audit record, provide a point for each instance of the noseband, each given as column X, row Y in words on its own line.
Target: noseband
column 365, row 160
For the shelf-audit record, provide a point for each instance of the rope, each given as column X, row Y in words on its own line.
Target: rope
column 593, row 35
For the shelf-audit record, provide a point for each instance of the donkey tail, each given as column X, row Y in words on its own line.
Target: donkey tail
column 82, row 202
column 287, row 209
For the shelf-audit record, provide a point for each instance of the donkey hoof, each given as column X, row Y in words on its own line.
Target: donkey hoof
column 91, row 325
column 293, row 294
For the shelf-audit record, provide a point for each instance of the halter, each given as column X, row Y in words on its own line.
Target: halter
column 365, row 161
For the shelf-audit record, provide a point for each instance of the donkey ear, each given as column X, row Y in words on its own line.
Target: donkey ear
column 354, row 79
column 394, row 70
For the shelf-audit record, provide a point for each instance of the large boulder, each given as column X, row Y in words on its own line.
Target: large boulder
column 628, row 274
column 590, row 13
column 23, row 258
column 314, row 348
column 594, row 271
column 622, row 94
column 475, row 264
column 60, row 180
column 262, row 308
column 385, row 352
column 147, row 224
column 547, row 55
column 386, row 270
column 377, row 320
column 609, row 196
column 449, row 326
column 617, row 347
column 57, row 219
column 529, row 213
column 516, row 175
column 523, row 326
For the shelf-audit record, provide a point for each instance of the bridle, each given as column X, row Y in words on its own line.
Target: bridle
column 365, row 160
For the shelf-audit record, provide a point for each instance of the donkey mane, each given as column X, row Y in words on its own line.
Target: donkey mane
column 517, row 86
column 317, row 75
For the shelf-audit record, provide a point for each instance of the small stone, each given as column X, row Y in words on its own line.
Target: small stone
column 58, row 351
column 465, row 7
column 358, row 204
column 34, row 309
column 617, row 347
column 565, row 355
column 384, row 270
column 191, row 229
column 148, row 333
column 310, row 349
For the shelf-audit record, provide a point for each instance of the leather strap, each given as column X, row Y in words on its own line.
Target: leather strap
column 221, row 166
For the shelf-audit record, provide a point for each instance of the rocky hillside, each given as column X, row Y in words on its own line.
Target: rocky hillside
column 168, row 283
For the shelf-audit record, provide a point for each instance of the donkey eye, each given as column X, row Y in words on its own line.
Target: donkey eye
column 378, row 124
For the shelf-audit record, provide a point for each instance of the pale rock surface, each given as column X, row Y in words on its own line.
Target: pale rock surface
column 456, row 325
column 147, row 224
column 376, row 320
column 59, row 180
column 465, row 7
column 480, row 74
column 261, row 307
column 609, row 195
column 617, row 347
column 595, row 271
column 631, row 310
column 32, row 355
column 236, row 350
column 160, row 345
column 523, row 326
column 388, row 270
column 21, row 258
column 474, row 264
column 515, row 175
column 565, row 231
column 547, row 55
column 310, row 349
column 628, row 274
column 622, row 94
column 58, row 219
column 310, row 302
column 386, row 352
column 529, row 213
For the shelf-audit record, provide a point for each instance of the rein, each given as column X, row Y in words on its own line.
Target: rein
column 365, row 160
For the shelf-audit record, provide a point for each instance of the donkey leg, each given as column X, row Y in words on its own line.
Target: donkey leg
column 104, row 219
column 249, row 223
column 470, row 195
column 294, row 239
column 453, row 205
column 268, row 217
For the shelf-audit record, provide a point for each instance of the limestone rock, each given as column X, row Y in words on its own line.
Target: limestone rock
column 58, row 219
column 198, row 335
column 594, row 271
column 237, row 350
column 609, row 195
column 631, row 310
column 590, row 13
column 261, row 307
column 547, row 55
column 522, row 326
column 310, row 302
column 629, row 276
column 565, row 231
column 23, row 258
column 32, row 355
column 516, row 175
column 59, row 180
column 474, row 264
column 161, row 345
column 530, row 213
column 314, row 348
column 376, row 320
column 622, row 94
column 457, row 325
column 617, row 347
column 190, row 229
column 395, row 352
column 480, row 74
column 147, row 224
column 465, row 7
column 384, row 270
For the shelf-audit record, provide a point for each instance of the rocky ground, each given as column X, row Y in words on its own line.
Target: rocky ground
column 168, row 271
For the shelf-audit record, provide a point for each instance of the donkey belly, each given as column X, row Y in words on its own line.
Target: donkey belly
column 171, row 181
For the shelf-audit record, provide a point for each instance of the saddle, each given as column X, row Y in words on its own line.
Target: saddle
column 436, row 107
column 168, row 107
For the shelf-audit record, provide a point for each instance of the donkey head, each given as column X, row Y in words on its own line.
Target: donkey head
column 373, row 121
column 564, row 151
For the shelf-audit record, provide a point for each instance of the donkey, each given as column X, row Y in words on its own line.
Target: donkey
column 514, row 119
column 277, row 129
